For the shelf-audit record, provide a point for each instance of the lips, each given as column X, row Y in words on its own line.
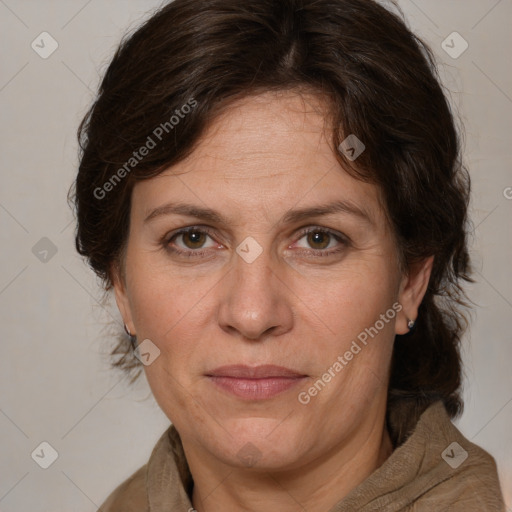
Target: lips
column 255, row 382
column 254, row 372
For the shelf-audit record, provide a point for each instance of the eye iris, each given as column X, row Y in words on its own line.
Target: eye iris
column 196, row 239
column 317, row 237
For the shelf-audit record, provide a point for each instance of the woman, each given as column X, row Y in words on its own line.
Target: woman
column 274, row 192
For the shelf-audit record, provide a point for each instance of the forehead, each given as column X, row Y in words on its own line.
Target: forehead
column 263, row 154
column 268, row 133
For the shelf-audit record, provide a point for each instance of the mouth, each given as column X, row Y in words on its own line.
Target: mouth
column 255, row 383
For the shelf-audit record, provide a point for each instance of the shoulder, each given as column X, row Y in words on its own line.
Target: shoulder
column 459, row 474
column 157, row 481
column 129, row 496
column 472, row 481
column 473, row 488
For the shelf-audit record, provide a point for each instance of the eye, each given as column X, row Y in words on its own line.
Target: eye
column 190, row 241
column 197, row 241
column 322, row 241
column 193, row 239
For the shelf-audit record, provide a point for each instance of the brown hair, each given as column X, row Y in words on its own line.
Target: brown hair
column 380, row 82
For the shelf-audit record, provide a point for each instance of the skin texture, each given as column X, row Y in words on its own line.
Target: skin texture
column 263, row 157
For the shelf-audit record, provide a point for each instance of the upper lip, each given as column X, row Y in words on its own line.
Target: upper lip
column 254, row 372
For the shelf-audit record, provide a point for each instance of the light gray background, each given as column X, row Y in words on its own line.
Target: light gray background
column 55, row 382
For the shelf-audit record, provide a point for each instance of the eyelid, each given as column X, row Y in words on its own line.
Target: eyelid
column 319, row 229
column 183, row 231
column 340, row 237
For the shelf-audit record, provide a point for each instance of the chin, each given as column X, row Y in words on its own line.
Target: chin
column 259, row 443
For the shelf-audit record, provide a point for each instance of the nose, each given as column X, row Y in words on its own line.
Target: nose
column 255, row 302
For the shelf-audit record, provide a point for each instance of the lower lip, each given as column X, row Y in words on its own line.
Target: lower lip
column 256, row 389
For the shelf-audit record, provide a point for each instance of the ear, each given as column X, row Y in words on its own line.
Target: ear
column 412, row 290
column 121, row 295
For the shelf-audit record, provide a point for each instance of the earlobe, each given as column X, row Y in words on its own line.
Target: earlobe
column 412, row 290
column 121, row 296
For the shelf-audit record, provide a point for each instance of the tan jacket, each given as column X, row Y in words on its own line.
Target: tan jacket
column 436, row 469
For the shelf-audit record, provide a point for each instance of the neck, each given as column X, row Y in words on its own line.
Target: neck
column 316, row 486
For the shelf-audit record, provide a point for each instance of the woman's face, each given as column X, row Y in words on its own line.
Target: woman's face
column 260, row 308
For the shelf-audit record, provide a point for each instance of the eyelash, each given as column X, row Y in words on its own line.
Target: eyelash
column 191, row 253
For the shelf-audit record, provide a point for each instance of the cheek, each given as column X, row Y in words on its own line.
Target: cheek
column 357, row 318
column 161, row 301
column 353, row 299
column 171, row 313
column 173, row 308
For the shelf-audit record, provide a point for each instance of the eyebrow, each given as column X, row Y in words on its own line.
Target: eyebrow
column 293, row 216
